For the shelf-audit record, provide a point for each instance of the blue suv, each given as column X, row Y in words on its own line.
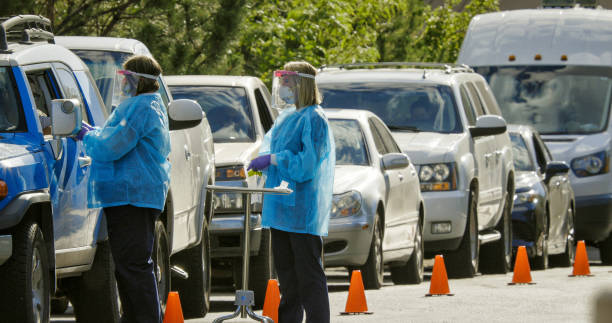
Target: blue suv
column 51, row 244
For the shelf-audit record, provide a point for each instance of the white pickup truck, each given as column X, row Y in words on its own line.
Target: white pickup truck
column 182, row 239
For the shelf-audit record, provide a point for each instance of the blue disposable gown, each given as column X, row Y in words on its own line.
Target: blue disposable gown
column 305, row 156
column 130, row 155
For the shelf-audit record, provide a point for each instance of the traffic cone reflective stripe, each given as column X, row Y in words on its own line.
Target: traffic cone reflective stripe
column 522, row 270
column 272, row 301
column 356, row 302
column 439, row 279
column 581, row 261
column 174, row 312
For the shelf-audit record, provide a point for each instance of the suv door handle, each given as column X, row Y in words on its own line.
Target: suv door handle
column 187, row 153
column 84, row 161
column 401, row 177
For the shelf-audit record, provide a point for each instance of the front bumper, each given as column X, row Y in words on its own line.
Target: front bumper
column 450, row 206
column 6, row 248
column 226, row 235
column 593, row 219
column 348, row 242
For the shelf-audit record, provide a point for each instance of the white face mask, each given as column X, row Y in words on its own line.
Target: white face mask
column 286, row 94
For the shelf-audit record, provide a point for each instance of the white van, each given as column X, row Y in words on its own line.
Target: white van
column 552, row 69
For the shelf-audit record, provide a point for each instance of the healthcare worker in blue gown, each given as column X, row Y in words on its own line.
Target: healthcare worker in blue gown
column 299, row 151
column 129, row 180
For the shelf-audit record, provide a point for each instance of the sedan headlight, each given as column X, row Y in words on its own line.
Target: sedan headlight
column 346, row 204
column 529, row 196
column 591, row 165
column 438, row 177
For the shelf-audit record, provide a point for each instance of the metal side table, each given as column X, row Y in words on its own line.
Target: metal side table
column 245, row 298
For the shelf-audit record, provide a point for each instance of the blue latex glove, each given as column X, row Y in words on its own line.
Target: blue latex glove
column 86, row 125
column 259, row 163
column 84, row 130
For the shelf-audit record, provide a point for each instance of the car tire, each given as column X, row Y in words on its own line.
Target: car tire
column 496, row 257
column 463, row 262
column 25, row 283
column 413, row 271
column 195, row 290
column 373, row 270
column 261, row 269
column 161, row 263
column 94, row 294
column 566, row 259
column 59, row 305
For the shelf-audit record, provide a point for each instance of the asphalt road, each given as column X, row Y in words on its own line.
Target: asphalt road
column 486, row 298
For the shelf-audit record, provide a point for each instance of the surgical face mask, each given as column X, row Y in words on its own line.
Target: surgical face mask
column 286, row 94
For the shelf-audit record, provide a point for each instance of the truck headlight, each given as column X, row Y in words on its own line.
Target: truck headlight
column 591, row 165
column 230, row 173
column 346, row 204
column 438, row 177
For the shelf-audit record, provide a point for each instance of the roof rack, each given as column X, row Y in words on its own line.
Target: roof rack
column 570, row 3
column 447, row 67
column 25, row 28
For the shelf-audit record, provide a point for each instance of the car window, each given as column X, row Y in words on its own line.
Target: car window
column 378, row 142
column 44, row 90
column 475, row 99
column 540, row 145
column 522, row 158
column 467, row 107
column 401, row 105
column 390, row 144
column 264, row 111
column 12, row 118
column 540, row 154
column 227, row 109
column 71, row 90
column 350, row 143
column 488, row 98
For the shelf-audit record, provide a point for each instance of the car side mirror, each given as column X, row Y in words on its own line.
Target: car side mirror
column 65, row 117
column 395, row 161
column 556, row 168
column 488, row 125
column 184, row 113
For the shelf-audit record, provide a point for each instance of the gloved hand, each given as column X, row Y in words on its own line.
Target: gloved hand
column 83, row 131
column 86, row 125
column 259, row 163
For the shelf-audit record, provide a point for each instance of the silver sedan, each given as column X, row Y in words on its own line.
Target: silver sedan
column 377, row 212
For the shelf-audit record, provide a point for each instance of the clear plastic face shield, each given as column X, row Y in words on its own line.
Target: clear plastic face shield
column 125, row 85
column 286, row 88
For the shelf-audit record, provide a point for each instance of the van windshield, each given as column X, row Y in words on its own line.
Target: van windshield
column 553, row 99
column 402, row 106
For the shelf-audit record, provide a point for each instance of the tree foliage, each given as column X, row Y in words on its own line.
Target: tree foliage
column 254, row 37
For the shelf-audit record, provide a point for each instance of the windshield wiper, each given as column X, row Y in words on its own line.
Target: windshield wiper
column 403, row 128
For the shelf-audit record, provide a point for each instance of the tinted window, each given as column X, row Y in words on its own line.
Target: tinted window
column 264, row 111
column 350, row 144
column 553, row 99
column 378, row 142
column 71, row 89
column 227, row 109
column 467, row 106
column 476, row 99
column 11, row 113
column 540, row 153
column 386, row 137
column 522, row 158
column 402, row 106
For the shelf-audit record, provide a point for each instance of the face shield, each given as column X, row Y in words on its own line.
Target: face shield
column 125, row 85
column 286, row 88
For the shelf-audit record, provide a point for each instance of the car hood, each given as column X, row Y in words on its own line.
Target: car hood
column 525, row 179
column 350, row 177
column 427, row 147
column 9, row 148
column 235, row 153
column 567, row 147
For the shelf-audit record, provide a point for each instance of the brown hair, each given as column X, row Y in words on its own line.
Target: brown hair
column 145, row 65
column 309, row 93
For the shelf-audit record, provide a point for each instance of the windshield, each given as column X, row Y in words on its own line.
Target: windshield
column 227, row 109
column 522, row 159
column 350, row 145
column 553, row 99
column 11, row 114
column 103, row 66
column 412, row 107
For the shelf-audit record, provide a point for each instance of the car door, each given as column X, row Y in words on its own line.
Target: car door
column 402, row 228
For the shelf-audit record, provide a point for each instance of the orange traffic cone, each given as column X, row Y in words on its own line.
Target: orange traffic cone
column 272, row 301
column 522, row 271
column 174, row 312
column 439, row 279
column 356, row 302
column 581, row 261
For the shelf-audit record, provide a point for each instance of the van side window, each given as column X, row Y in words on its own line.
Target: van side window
column 467, row 106
column 386, row 137
column 378, row 142
column 488, row 98
column 71, row 90
column 264, row 111
column 476, row 99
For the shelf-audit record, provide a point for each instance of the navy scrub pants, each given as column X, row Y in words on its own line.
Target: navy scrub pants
column 303, row 285
column 131, row 233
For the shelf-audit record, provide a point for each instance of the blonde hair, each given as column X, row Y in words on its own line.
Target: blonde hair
column 308, row 91
column 145, row 65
